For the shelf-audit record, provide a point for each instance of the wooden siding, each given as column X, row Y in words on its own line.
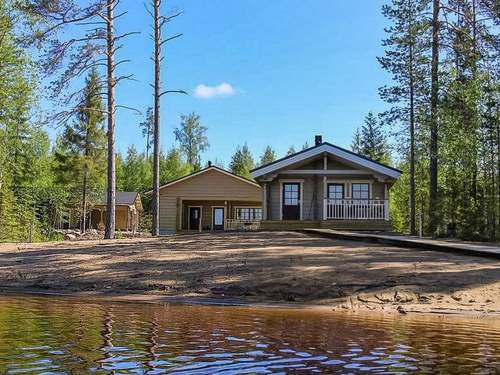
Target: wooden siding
column 212, row 185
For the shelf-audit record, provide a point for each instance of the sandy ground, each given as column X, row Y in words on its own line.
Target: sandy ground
column 259, row 267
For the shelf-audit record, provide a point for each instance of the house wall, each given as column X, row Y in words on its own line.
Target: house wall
column 206, row 210
column 313, row 193
column 120, row 217
column 212, row 185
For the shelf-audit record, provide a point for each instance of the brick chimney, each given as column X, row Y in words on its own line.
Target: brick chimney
column 318, row 140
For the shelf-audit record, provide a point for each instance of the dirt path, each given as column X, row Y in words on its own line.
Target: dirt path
column 260, row 267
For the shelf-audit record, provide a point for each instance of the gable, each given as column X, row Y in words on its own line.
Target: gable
column 213, row 183
column 337, row 157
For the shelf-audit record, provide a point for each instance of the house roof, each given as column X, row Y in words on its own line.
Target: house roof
column 201, row 171
column 329, row 148
column 122, row 198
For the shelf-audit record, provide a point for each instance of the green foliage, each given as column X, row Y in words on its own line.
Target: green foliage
column 268, row 156
column 192, row 139
column 147, row 128
column 468, row 202
column 242, row 162
column 372, row 141
column 291, row 151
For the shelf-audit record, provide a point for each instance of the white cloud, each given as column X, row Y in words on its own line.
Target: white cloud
column 209, row 92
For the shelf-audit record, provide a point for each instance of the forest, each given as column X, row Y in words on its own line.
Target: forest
column 441, row 126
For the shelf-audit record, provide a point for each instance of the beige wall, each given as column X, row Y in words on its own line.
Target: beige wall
column 212, row 185
column 120, row 217
column 313, row 187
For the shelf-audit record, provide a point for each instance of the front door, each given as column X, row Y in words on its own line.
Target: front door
column 218, row 218
column 194, row 217
column 291, row 201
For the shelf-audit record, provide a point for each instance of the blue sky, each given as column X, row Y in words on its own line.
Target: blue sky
column 293, row 69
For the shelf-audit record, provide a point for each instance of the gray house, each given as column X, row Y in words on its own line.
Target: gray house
column 325, row 186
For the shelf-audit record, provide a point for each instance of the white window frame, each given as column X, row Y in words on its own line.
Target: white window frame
column 239, row 207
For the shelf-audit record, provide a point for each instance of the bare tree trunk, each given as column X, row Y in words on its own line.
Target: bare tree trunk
column 83, row 223
column 433, row 147
column 111, row 196
column 413, row 230
column 155, row 230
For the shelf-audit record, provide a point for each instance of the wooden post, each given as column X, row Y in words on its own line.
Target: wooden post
column 325, row 199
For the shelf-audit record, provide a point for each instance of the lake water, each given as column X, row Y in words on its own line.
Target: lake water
column 52, row 335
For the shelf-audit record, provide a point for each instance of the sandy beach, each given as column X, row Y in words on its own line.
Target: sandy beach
column 260, row 267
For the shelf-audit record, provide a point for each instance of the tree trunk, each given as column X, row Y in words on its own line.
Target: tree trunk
column 433, row 146
column 155, row 230
column 111, row 196
column 413, row 230
column 83, row 223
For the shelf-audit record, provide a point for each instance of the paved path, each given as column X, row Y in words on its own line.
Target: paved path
column 485, row 250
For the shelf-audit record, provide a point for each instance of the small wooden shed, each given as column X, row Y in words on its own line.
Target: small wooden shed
column 128, row 212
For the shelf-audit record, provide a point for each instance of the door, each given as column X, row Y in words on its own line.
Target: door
column 291, row 201
column 194, row 217
column 218, row 218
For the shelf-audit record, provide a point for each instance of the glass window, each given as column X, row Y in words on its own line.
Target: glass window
column 249, row 213
column 335, row 191
column 291, row 194
column 360, row 191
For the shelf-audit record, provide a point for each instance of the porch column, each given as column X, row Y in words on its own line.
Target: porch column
column 264, row 201
column 325, row 203
column 386, row 202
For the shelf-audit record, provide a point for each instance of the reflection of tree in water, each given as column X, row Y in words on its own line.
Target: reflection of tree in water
column 153, row 343
column 107, row 336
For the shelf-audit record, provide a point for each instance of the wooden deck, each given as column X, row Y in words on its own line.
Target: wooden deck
column 340, row 224
column 466, row 248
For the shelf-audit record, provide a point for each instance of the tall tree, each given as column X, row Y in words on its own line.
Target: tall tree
column 434, row 125
column 406, row 59
column 192, row 139
column 158, row 22
column 268, row 156
column 373, row 140
column 81, row 155
column 147, row 129
column 242, row 162
column 356, row 142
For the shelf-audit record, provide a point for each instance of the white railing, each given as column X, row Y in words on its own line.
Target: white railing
column 356, row 209
column 242, row 225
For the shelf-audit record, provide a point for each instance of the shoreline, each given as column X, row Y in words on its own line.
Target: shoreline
column 112, row 297
column 260, row 269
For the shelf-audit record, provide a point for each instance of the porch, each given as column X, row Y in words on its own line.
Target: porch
column 219, row 215
column 356, row 209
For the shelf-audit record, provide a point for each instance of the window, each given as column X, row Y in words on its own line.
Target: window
column 335, row 191
column 249, row 213
column 360, row 191
column 291, row 194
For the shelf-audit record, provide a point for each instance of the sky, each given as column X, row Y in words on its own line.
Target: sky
column 257, row 71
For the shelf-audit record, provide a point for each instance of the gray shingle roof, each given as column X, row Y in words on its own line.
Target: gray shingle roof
column 122, row 197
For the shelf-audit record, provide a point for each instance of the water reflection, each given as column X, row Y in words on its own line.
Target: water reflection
column 67, row 336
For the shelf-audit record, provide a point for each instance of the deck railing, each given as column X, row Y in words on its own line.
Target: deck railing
column 356, row 209
column 242, row 225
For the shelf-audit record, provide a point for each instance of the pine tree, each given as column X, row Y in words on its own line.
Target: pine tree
column 291, row 151
column 242, row 162
column 373, row 140
column 192, row 139
column 356, row 142
column 81, row 156
column 406, row 59
column 147, row 129
column 268, row 156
